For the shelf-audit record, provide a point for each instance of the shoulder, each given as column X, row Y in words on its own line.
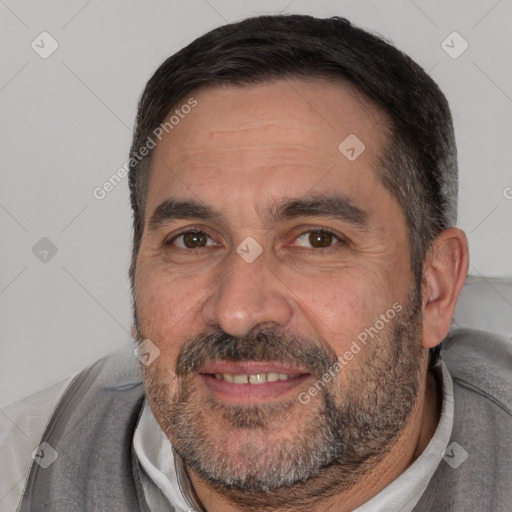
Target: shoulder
column 480, row 364
column 23, row 423
column 21, row 426
column 481, row 361
column 475, row 470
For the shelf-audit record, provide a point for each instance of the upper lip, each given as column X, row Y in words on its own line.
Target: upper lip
column 251, row 368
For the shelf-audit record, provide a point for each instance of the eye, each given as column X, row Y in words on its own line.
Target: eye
column 318, row 239
column 190, row 240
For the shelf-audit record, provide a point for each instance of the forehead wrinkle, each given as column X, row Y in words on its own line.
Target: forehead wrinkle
column 199, row 145
column 276, row 157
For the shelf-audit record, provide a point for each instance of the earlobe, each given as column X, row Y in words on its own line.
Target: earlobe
column 444, row 273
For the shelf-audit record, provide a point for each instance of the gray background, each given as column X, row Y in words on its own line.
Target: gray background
column 65, row 128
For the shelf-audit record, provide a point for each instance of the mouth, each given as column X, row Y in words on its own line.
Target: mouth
column 251, row 382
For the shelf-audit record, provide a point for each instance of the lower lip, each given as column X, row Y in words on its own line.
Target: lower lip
column 251, row 393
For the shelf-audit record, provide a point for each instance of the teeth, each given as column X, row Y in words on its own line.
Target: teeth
column 258, row 378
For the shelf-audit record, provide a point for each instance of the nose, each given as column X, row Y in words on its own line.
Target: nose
column 247, row 295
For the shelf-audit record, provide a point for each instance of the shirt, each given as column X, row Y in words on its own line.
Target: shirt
column 165, row 480
column 92, row 429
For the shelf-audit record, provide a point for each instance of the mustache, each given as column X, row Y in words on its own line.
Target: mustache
column 262, row 345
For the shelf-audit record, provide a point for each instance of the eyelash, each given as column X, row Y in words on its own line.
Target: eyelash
column 323, row 231
column 312, row 249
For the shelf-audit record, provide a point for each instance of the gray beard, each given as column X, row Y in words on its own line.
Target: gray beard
column 254, row 462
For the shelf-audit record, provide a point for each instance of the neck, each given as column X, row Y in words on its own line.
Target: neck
column 409, row 446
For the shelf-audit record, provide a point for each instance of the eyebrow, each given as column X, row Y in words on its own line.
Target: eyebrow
column 335, row 206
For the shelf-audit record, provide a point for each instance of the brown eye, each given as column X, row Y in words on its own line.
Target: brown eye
column 190, row 240
column 320, row 239
column 317, row 239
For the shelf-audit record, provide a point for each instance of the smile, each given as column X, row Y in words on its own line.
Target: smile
column 257, row 378
column 251, row 382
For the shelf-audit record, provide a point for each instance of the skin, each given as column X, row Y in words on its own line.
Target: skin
column 239, row 151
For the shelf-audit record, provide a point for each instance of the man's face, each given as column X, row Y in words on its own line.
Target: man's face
column 289, row 273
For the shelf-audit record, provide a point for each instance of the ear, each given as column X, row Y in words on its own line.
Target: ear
column 444, row 273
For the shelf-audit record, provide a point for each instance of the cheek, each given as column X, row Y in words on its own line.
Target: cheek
column 343, row 306
column 166, row 310
column 162, row 388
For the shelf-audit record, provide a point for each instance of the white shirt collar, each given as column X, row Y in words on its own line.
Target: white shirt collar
column 403, row 493
column 165, row 480
column 156, row 455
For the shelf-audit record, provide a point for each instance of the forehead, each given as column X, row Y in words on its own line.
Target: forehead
column 261, row 142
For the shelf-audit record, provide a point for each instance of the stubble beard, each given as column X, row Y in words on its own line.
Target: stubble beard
column 283, row 454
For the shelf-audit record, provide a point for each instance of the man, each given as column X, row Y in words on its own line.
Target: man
column 295, row 269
